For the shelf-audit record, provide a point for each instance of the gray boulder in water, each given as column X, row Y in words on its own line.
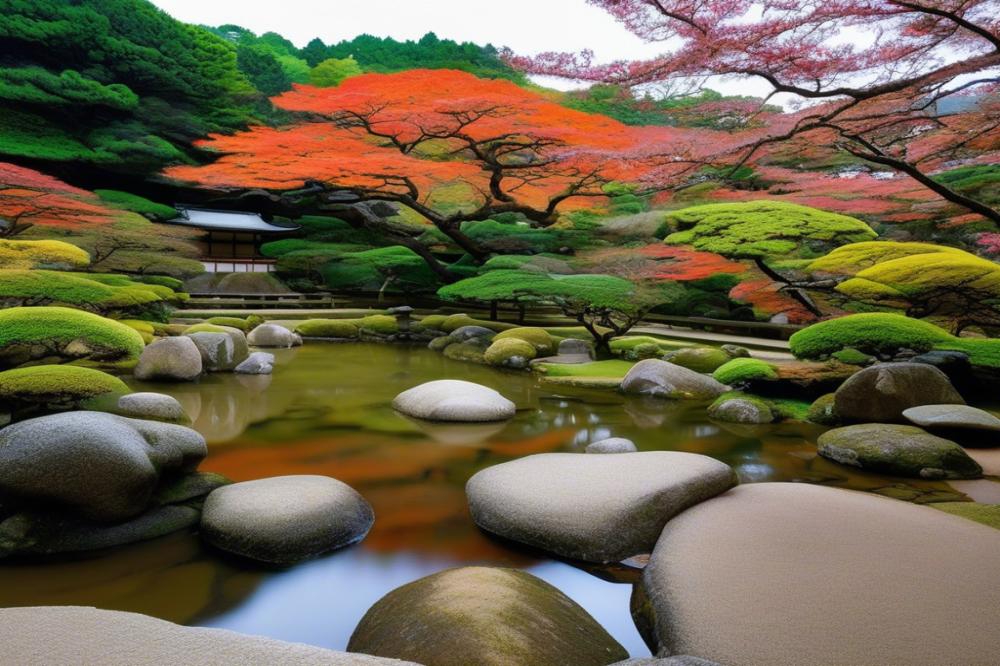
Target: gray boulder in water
column 169, row 359
column 668, row 380
column 454, row 400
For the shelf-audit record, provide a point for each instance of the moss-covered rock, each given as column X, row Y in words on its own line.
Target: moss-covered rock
column 510, row 352
column 455, row 321
column 743, row 408
column 484, row 616
column 435, row 322
column 875, row 333
column 741, row 371
column 378, row 324
column 642, row 351
column 32, row 333
column 327, row 328
column 56, row 386
column 538, row 338
column 143, row 328
column 823, row 411
column 852, row 356
column 466, row 351
column 439, row 344
column 881, row 393
column 898, row 449
column 233, row 322
column 699, row 359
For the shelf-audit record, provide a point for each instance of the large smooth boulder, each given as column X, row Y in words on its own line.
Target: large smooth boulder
column 593, row 508
column 967, row 425
column 667, row 380
column 483, row 616
column 454, row 400
column 257, row 363
column 273, row 335
column 464, row 333
column 153, row 406
column 73, row 635
column 217, row 351
column 776, row 574
column 99, row 466
column 285, row 519
column 899, row 450
column 169, row 359
column 880, row 393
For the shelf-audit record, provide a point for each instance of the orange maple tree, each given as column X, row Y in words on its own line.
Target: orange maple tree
column 29, row 198
column 409, row 136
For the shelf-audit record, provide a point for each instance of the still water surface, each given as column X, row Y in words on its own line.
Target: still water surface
column 326, row 410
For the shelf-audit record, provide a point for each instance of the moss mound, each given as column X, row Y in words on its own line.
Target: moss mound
column 615, row 368
column 456, row 321
column 699, row 359
column 823, row 411
column 144, row 328
column 18, row 254
column 327, row 328
column 204, row 327
column 56, row 385
column 870, row 333
column 743, row 371
column 380, row 324
column 543, row 343
column 27, row 333
column 502, row 351
column 434, row 322
column 233, row 322
column 987, row 514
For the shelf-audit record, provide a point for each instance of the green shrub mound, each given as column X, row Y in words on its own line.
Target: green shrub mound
column 699, row 359
column 65, row 332
column 55, row 254
column 137, row 204
column 434, row 322
column 204, row 327
column 233, row 322
column 874, row 333
column 380, row 324
column 327, row 328
column 502, row 351
column 97, row 292
column 143, row 328
column 983, row 352
column 56, row 385
column 852, row 356
column 456, row 321
column 823, row 411
column 744, row 370
column 543, row 343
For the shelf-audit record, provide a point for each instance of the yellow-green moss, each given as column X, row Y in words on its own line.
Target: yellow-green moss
column 53, row 328
column 56, row 384
column 328, row 328
column 543, row 343
column 987, row 514
column 744, row 370
column 501, row 351
column 22, row 254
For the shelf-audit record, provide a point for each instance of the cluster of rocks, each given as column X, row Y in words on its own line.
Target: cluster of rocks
column 211, row 348
column 87, row 480
column 515, row 348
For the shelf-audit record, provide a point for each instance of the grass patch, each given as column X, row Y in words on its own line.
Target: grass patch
column 613, row 368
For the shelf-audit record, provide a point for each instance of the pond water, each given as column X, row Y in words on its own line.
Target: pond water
column 326, row 410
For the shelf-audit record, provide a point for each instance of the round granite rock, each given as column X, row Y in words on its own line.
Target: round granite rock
column 65, row 635
column 612, row 445
column 746, row 410
column 454, row 400
column 285, row 519
column 154, row 406
column 487, row 617
column 786, row 574
column 99, row 466
column 257, row 363
column 593, row 508
column 899, row 450
column 273, row 335
column 169, row 359
column 667, row 380
column 880, row 393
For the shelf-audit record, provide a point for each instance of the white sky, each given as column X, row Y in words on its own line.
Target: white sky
column 526, row 26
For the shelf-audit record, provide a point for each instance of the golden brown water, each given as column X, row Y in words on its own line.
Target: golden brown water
column 326, row 410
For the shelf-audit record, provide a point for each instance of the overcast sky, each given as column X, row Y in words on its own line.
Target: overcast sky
column 526, row 26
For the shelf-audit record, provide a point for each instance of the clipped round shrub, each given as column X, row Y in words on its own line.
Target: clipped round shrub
column 434, row 322
column 822, row 411
column 143, row 328
column 743, row 371
column 699, row 359
column 456, row 321
column 643, row 351
column 41, row 254
column 204, row 327
column 876, row 333
column 626, row 344
column 852, row 356
column 380, row 324
column 27, row 333
column 327, row 328
column 232, row 322
column 56, row 385
column 502, row 351
column 538, row 338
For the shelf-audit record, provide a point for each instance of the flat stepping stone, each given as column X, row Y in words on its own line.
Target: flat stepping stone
column 454, row 400
column 955, row 418
column 155, row 406
column 774, row 574
column 285, row 519
column 900, row 450
column 64, row 635
column 484, row 616
column 596, row 508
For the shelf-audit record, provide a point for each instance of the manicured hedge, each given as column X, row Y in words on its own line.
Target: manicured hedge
column 871, row 333
column 502, row 351
column 538, row 338
column 56, row 384
column 743, row 370
column 21, row 254
column 54, row 327
column 327, row 328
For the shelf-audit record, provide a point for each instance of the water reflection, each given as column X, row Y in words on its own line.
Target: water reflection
column 326, row 410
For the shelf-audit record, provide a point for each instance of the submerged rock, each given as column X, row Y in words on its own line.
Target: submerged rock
column 898, row 449
column 775, row 574
column 285, row 519
column 99, row 466
column 483, row 616
column 612, row 445
column 454, row 400
column 63, row 635
column 169, row 359
column 740, row 409
column 257, row 363
column 154, row 406
column 273, row 335
column 667, row 380
column 593, row 508
column 880, row 393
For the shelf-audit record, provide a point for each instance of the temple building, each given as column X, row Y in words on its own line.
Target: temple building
column 232, row 239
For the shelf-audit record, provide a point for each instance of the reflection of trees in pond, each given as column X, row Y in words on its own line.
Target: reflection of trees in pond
column 170, row 578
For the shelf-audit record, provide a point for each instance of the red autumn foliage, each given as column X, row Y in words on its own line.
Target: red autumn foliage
column 29, row 197
column 766, row 297
column 907, row 84
column 684, row 264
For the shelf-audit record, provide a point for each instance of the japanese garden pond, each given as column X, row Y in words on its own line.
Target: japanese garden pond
column 326, row 410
